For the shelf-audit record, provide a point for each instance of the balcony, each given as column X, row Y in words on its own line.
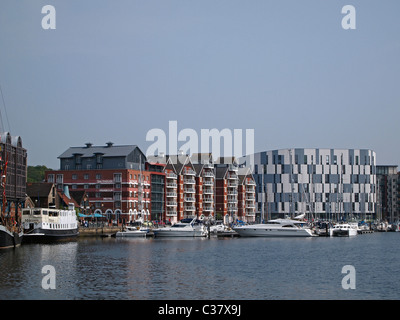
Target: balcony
column 172, row 204
column 208, row 174
column 189, row 199
column 189, row 181
column 189, row 208
column 171, row 185
column 189, row 190
column 171, row 213
column 208, row 209
column 171, row 194
column 232, row 176
column 232, row 184
column 171, row 175
column 189, row 172
column 208, row 183
column 208, row 191
column 208, row 200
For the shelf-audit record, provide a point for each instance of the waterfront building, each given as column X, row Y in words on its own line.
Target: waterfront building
column 325, row 183
column 226, row 189
column 12, row 153
column 205, row 180
column 388, row 193
column 246, row 195
column 113, row 177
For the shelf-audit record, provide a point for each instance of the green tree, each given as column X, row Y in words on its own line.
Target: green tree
column 36, row 173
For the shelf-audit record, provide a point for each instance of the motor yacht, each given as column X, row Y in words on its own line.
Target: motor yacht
column 275, row 228
column 184, row 228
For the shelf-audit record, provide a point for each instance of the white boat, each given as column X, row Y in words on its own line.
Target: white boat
column 184, row 228
column 43, row 224
column 344, row 230
column 275, row 228
column 134, row 230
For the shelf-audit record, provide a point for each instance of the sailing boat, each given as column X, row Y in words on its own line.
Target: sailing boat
column 10, row 230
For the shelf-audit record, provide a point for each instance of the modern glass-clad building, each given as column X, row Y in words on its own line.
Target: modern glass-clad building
column 327, row 183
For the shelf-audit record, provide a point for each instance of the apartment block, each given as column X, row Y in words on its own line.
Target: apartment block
column 325, row 183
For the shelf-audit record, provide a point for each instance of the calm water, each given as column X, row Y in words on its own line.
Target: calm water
column 230, row 268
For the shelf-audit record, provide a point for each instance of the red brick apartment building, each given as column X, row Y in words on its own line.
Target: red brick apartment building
column 123, row 184
column 113, row 177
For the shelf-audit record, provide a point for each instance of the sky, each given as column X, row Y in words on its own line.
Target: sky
column 114, row 70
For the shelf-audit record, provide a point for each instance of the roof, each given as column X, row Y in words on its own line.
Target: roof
column 38, row 189
column 107, row 151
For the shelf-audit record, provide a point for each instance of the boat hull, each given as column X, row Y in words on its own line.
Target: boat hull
column 178, row 233
column 249, row 231
column 132, row 234
column 46, row 235
column 9, row 239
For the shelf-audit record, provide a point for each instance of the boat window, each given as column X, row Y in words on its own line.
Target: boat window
column 44, row 212
column 26, row 212
column 53, row 214
column 287, row 226
column 36, row 212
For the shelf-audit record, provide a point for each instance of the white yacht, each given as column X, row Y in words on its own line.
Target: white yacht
column 49, row 224
column 184, row 228
column 343, row 230
column 275, row 228
column 136, row 229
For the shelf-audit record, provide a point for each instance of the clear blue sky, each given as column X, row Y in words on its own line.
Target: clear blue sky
column 113, row 70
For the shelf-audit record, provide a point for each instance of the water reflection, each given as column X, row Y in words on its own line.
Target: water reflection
column 96, row 268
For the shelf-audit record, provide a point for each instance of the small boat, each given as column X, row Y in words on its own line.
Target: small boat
column 48, row 224
column 184, row 228
column 275, row 228
column 134, row 230
column 343, row 230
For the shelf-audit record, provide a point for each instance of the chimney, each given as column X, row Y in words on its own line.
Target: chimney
column 88, row 144
column 109, row 144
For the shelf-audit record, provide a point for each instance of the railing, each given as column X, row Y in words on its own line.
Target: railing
column 172, row 194
column 189, row 172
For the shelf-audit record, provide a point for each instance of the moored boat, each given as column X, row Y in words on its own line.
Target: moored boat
column 48, row 224
column 275, row 228
column 184, row 228
column 343, row 230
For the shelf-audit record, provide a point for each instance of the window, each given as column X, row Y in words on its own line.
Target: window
column 50, row 178
column 327, row 159
column 74, row 177
column 98, row 176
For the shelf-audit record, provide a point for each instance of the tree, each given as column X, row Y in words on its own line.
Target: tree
column 36, row 173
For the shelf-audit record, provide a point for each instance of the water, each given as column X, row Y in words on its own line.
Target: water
column 230, row 268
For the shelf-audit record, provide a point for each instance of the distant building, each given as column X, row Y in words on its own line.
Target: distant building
column 388, row 193
column 12, row 153
column 328, row 183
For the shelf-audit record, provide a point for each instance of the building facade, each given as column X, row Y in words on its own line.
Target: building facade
column 325, row 183
column 113, row 177
column 388, row 193
column 13, row 167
